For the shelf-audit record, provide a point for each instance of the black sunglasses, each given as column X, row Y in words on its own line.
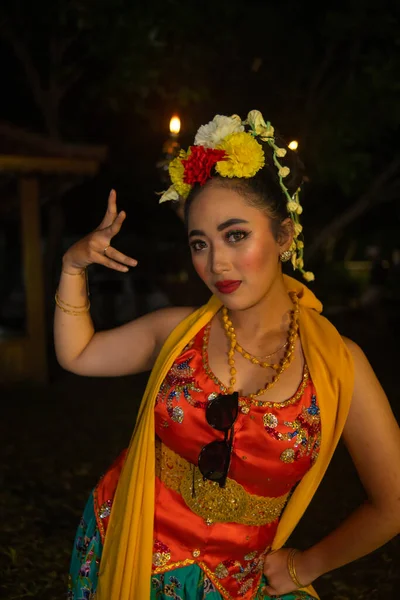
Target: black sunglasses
column 215, row 457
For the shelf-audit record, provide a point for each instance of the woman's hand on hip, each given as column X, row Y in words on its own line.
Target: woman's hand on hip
column 96, row 246
column 277, row 572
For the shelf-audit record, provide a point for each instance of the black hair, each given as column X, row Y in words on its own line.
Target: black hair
column 263, row 191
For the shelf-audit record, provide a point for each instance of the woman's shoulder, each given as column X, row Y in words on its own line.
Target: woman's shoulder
column 359, row 358
column 351, row 345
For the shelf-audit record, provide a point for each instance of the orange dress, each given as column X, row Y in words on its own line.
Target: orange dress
column 273, row 446
column 228, row 531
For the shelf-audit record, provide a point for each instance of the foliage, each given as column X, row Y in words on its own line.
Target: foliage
column 354, row 118
column 325, row 73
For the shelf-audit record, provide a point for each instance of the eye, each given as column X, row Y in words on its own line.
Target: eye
column 197, row 245
column 236, row 236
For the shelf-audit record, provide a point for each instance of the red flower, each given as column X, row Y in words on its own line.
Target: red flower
column 199, row 163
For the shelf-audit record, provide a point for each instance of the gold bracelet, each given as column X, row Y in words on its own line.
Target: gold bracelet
column 85, row 306
column 74, row 312
column 71, row 312
column 292, row 568
column 74, row 274
column 83, row 272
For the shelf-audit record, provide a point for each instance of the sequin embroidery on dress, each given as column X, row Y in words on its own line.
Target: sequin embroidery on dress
column 228, row 548
column 179, row 380
column 195, row 558
column 305, row 432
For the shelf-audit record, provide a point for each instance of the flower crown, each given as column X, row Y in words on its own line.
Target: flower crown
column 229, row 145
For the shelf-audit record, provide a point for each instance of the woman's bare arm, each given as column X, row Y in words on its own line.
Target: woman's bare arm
column 372, row 437
column 128, row 349
column 131, row 348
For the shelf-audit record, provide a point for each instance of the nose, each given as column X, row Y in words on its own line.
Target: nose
column 218, row 261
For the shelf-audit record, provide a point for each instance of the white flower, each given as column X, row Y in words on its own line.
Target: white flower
column 218, row 129
column 169, row 194
column 259, row 126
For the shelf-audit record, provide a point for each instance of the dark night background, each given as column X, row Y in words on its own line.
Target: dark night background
column 111, row 73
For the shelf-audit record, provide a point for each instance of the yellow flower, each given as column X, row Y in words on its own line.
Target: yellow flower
column 281, row 152
column 299, row 244
column 297, row 229
column 284, row 171
column 308, row 276
column 299, row 263
column 299, row 209
column 294, row 260
column 292, row 206
column 176, row 172
column 169, row 194
column 245, row 156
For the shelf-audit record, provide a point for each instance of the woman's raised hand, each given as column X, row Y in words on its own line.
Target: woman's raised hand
column 96, row 246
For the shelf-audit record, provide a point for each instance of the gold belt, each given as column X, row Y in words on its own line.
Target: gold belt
column 231, row 504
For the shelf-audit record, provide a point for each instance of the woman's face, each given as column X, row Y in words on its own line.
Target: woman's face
column 233, row 248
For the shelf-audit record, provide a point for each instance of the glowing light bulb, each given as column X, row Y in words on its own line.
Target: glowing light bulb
column 294, row 145
column 175, row 125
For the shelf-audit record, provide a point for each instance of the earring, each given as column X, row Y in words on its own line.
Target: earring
column 285, row 256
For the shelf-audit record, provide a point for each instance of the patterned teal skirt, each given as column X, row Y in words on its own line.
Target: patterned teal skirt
column 186, row 583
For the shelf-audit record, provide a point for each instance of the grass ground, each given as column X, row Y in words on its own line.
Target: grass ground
column 57, row 440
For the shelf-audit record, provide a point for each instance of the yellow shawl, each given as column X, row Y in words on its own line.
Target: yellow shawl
column 126, row 563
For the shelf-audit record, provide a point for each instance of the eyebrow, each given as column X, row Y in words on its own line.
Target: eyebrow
column 220, row 227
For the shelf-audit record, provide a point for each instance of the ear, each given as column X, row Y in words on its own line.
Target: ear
column 286, row 234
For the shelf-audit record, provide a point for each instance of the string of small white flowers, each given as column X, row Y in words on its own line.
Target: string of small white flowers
column 293, row 205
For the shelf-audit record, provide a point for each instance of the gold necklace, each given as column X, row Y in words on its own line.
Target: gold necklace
column 279, row 368
column 267, row 355
column 292, row 333
column 260, row 360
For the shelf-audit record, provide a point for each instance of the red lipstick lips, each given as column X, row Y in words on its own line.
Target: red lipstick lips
column 228, row 286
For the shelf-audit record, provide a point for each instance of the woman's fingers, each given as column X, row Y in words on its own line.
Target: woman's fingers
column 90, row 249
column 270, row 591
column 112, row 219
column 117, row 256
column 111, row 212
column 112, row 264
column 109, row 227
column 279, row 580
column 116, row 225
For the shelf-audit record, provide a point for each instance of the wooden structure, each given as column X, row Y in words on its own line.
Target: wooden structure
column 27, row 159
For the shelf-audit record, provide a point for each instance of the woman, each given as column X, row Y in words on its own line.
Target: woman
column 247, row 398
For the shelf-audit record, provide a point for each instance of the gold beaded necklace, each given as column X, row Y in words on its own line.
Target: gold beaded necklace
column 293, row 332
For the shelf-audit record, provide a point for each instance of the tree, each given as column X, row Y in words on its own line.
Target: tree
column 325, row 74
column 104, row 46
column 352, row 115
